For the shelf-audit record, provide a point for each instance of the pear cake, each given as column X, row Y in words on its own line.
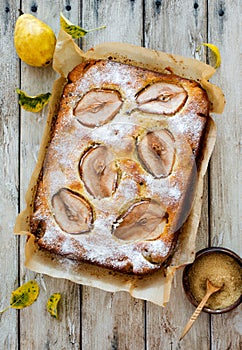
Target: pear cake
column 120, row 171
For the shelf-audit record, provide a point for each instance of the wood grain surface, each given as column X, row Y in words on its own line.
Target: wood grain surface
column 91, row 319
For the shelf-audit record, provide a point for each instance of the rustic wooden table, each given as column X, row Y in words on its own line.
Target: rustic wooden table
column 92, row 319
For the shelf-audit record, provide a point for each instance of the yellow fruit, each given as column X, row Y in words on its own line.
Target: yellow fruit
column 34, row 41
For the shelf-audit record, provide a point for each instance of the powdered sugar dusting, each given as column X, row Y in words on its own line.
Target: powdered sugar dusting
column 113, row 74
column 128, row 188
column 114, row 134
column 162, row 188
column 103, row 225
column 158, row 248
column 187, row 124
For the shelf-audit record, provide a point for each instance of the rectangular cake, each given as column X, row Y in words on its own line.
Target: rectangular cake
column 120, row 172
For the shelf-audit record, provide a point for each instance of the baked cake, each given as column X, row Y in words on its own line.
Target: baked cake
column 119, row 173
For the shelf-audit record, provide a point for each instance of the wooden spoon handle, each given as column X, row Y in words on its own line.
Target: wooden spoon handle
column 195, row 314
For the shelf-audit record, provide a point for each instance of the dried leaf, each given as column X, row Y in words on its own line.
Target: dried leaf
column 75, row 31
column 33, row 103
column 23, row 296
column 52, row 304
column 216, row 52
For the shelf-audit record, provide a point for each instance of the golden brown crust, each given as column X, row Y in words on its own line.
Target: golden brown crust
column 128, row 125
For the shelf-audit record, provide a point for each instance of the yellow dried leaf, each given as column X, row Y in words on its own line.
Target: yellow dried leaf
column 23, row 296
column 75, row 31
column 32, row 103
column 52, row 304
column 216, row 52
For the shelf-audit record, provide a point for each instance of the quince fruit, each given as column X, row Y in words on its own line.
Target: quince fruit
column 34, row 41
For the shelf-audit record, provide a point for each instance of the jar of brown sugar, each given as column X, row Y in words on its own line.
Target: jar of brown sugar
column 222, row 268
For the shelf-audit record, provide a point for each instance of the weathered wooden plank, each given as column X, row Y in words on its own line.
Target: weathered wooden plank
column 46, row 332
column 226, row 167
column 9, row 130
column 112, row 321
column 123, row 18
column 177, row 27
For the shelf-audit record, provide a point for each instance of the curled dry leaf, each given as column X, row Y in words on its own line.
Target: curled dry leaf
column 161, row 98
column 216, row 52
column 75, row 31
column 97, row 107
column 143, row 220
column 99, row 172
column 72, row 212
column 156, row 151
column 23, row 296
column 52, row 304
column 33, row 103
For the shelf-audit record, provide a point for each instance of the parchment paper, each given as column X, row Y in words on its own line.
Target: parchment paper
column 155, row 287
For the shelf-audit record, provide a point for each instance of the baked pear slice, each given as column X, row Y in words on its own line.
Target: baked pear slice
column 143, row 220
column 98, row 171
column 97, row 107
column 156, row 151
column 72, row 212
column 161, row 98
